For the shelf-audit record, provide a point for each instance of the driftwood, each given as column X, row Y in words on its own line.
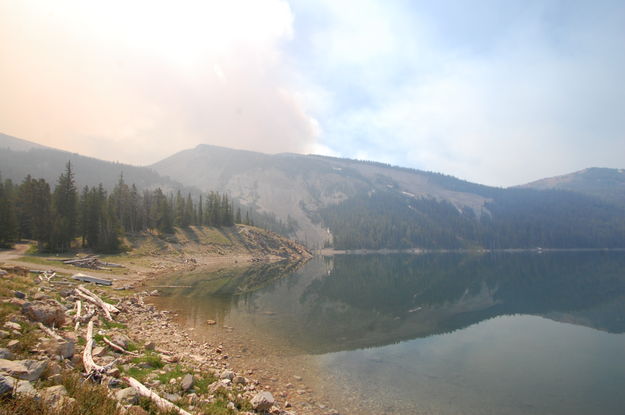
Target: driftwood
column 107, row 315
column 161, row 403
column 110, row 307
column 91, row 262
column 118, row 347
column 77, row 316
column 89, row 278
column 50, row 332
column 94, row 371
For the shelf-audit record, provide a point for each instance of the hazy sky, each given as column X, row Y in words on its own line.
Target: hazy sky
column 498, row 92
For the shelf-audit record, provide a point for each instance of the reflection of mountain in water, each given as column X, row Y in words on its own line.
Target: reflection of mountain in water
column 351, row 302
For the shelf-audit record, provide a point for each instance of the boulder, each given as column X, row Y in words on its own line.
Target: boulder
column 24, row 387
column 49, row 312
column 262, row 401
column 54, row 396
column 6, row 354
column 187, row 382
column 66, row 349
column 6, row 384
column 23, row 369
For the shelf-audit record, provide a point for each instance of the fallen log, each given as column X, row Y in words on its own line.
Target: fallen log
column 77, row 316
column 93, row 370
column 50, row 332
column 89, row 278
column 110, row 307
column 107, row 315
column 161, row 403
column 118, row 347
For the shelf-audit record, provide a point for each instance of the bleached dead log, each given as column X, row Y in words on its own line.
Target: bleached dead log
column 107, row 315
column 50, row 332
column 48, row 275
column 77, row 316
column 110, row 307
column 93, row 370
column 161, row 403
column 118, row 347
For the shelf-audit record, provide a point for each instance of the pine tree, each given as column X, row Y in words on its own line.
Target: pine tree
column 8, row 220
column 64, row 208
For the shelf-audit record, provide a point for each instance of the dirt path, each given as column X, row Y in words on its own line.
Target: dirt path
column 11, row 254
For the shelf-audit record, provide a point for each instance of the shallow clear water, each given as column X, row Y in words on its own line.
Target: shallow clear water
column 505, row 333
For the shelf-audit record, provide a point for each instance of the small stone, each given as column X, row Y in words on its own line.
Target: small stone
column 187, row 382
column 98, row 351
column 227, row 374
column 127, row 396
column 26, row 388
column 297, row 378
column 6, row 354
column 150, row 346
column 287, row 404
column 211, row 322
column 172, row 397
column 121, row 340
column 66, row 349
column 262, row 401
column 19, row 294
column 4, row 334
column 12, row 326
column 136, row 410
column 115, row 372
column 231, row 406
column 239, row 380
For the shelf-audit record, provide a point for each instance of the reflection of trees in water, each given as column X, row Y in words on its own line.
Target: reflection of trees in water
column 349, row 302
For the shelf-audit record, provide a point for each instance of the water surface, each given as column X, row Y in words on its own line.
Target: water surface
column 503, row 333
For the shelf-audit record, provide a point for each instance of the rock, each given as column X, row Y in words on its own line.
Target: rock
column 48, row 312
column 297, row 378
column 287, row 404
column 40, row 296
column 13, row 345
column 12, row 326
column 231, row 406
column 211, row 322
column 150, row 346
column 54, row 396
column 24, row 387
column 187, row 382
column 23, row 369
column 262, row 401
column 121, row 340
column 136, row 410
column 4, row 334
column 172, row 397
column 66, row 349
column 3, row 272
column 127, row 396
column 56, row 379
column 98, row 351
column 227, row 374
column 6, row 384
column 154, row 293
column 6, row 354
column 19, row 294
column 239, row 380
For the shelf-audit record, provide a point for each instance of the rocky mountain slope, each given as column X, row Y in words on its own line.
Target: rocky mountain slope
column 606, row 184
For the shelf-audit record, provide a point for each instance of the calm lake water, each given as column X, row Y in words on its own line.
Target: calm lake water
column 502, row 333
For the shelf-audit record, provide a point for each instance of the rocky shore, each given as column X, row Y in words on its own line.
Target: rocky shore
column 43, row 343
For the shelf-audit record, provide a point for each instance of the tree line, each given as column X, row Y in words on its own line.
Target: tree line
column 55, row 218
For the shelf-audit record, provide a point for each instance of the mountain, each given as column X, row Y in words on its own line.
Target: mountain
column 352, row 204
column 603, row 183
column 18, row 158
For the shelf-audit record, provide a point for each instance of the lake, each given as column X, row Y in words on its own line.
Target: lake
column 440, row 333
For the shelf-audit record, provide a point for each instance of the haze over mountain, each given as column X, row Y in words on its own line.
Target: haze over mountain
column 358, row 204
column 349, row 204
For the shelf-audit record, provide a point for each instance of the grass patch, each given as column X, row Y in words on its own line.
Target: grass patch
column 202, row 383
column 139, row 373
column 151, row 359
column 176, row 372
column 113, row 325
